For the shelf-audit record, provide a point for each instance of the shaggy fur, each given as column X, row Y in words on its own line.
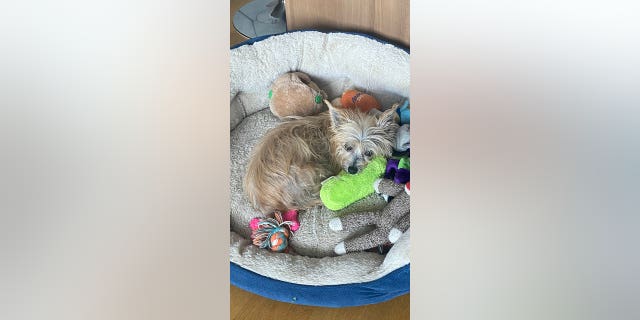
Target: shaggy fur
column 290, row 162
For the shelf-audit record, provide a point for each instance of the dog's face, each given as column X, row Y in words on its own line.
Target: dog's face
column 359, row 137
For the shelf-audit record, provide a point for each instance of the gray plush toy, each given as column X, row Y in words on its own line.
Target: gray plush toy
column 391, row 222
column 402, row 138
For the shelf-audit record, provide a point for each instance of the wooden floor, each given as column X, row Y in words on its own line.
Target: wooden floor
column 248, row 306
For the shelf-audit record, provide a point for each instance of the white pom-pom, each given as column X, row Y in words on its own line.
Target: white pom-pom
column 339, row 249
column 376, row 184
column 335, row 224
column 394, row 235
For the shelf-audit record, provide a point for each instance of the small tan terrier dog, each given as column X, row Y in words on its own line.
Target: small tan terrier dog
column 290, row 162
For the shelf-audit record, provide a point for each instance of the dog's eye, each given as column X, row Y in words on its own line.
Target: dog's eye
column 368, row 153
column 348, row 148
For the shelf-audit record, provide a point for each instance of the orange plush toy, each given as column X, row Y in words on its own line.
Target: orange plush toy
column 360, row 100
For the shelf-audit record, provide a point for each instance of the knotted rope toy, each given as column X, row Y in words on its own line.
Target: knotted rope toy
column 273, row 233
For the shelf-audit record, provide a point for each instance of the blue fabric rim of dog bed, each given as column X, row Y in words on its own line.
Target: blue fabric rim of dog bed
column 392, row 285
column 388, row 287
column 260, row 38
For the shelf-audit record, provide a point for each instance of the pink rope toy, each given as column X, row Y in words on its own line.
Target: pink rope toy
column 291, row 216
column 273, row 233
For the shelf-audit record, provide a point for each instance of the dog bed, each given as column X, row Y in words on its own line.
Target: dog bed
column 312, row 274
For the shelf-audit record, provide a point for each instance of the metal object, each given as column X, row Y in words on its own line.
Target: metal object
column 260, row 17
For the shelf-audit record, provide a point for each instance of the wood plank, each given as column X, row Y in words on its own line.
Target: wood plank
column 388, row 19
column 248, row 306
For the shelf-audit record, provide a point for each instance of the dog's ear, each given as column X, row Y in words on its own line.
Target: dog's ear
column 337, row 118
column 388, row 116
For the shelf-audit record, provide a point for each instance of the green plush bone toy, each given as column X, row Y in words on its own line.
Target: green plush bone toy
column 344, row 189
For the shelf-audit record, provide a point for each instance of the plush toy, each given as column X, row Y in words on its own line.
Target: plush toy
column 273, row 233
column 360, row 100
column 403, row 136
column 294, row 94
column 403, row 112
column 390, row 223
column 344, row 189
column 398, row 170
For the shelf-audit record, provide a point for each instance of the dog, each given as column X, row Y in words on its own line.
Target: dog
column 290, row 162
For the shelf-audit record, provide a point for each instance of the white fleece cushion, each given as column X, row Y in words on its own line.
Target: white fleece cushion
column 335, row 62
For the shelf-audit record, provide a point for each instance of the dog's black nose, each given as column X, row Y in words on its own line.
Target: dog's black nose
column 352, row 170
